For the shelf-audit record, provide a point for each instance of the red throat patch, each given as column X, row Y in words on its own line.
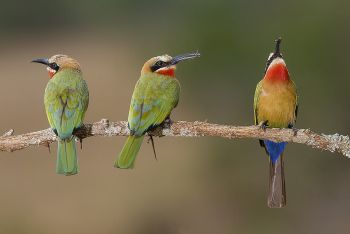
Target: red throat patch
column 277, row 72
column 167, row 72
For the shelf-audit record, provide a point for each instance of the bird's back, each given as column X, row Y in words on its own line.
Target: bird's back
column 66, row 99
column 152, row 101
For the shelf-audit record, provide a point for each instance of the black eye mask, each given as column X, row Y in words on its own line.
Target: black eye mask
column 159, row 64
column 54, row 66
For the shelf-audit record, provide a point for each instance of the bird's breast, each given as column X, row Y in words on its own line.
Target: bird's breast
column 277, row 104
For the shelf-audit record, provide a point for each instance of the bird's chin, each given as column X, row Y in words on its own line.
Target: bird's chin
column 51, row 71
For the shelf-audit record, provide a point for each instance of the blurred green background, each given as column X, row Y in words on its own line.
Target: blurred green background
column 203, row 185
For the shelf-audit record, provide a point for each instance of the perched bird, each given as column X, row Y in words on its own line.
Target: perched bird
column 155, row 95
column 276, row 106
column 66, row 100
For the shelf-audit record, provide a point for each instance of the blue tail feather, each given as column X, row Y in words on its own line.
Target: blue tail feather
column 274, row 149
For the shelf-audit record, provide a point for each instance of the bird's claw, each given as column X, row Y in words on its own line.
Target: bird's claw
column 263, row 125
column 295, row 131
column 167, row 122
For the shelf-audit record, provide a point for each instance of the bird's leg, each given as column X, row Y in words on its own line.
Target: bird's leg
column 154, row 149
column 263, row 125
column 79, row 138
column 167, row 122
column 295, row 131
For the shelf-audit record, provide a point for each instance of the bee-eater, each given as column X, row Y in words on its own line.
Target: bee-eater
column 155, row 95
column 66, row 100
column 276, row 106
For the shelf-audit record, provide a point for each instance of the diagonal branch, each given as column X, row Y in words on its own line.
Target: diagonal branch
column 333, row 143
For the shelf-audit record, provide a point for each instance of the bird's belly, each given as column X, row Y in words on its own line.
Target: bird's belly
column 278, row 108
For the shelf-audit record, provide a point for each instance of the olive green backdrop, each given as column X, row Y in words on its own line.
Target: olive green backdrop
column 202, row 185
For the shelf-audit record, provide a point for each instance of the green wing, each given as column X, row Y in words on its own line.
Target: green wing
column 152, row 102
column 66, row 101
column 296, row 102
column 256, row 100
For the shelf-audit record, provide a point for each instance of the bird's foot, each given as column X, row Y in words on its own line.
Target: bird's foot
column 78, row 138
column 78, row 130
column 167, row 122
column 295, row 130
column 263, row 125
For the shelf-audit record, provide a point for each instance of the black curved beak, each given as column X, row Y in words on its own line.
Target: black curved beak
column 44, row 61
column 183, row 57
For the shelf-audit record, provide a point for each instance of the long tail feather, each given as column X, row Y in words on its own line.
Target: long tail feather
column 277, row 187
column 128, row 154
column 67, row 161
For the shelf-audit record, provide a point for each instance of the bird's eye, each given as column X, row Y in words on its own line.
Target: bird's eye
column 160, row 63
column 54, row 66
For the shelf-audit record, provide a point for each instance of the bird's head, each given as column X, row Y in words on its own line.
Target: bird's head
column 57, row 63
column 276, row 68
column 165, row 64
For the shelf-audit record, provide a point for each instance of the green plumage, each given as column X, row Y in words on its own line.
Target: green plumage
column 153, row 99
column 66, row 100
column 67, row 161
column 129, row 152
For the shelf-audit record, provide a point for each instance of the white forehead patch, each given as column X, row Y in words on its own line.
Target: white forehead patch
column 269, row 56
column 277, row 61
column 164, row 58
column 57, row 57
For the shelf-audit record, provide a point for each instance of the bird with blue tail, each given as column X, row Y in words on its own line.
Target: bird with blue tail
column 66, row 100
column 276, row 106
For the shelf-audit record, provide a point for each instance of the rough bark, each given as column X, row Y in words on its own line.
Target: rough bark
column 333, row 143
